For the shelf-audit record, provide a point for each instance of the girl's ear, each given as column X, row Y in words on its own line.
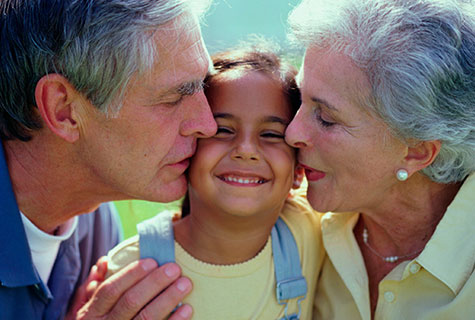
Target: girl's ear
column 299, row 173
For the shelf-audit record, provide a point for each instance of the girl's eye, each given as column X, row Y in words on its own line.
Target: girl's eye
column 223, row 131
column 272, row 135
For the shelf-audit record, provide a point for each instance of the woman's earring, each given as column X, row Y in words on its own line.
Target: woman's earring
column 402, row 175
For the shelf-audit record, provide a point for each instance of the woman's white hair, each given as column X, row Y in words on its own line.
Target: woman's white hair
column 419, row 56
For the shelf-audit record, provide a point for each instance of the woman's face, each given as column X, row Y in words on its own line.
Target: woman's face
column 349, row 155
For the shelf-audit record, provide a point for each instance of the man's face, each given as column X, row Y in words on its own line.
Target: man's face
column 143, row 151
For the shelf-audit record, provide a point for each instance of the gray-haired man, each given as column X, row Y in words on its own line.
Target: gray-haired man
column 99, row 101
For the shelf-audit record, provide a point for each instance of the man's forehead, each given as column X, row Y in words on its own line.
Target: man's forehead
column 181, row 57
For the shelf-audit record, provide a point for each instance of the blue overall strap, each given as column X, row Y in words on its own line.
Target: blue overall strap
column 288, row 271
column 156, row 239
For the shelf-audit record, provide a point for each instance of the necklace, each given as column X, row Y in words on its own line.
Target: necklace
column 391, row 259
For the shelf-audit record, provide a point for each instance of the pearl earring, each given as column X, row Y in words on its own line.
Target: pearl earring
column 402, row 175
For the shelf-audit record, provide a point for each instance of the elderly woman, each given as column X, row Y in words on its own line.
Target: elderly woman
column 386, row 134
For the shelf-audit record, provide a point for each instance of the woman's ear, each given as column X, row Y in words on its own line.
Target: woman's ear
column 56, row 99
column 299, row 173
column 421, row 155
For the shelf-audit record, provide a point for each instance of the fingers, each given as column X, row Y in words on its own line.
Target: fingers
column 96, row 276
column 183, row 313
column 166, row 302
column 112, row 289
column 146, row 293
column 141, row 291
column 85, row 291
column 101, row 270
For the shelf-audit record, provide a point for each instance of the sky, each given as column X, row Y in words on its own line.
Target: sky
column 229, row 21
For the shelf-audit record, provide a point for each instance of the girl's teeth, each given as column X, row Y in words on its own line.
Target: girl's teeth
column 241, row 180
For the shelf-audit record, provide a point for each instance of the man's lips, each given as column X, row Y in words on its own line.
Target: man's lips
column 312, row 174
column 182, row 165
column 241, row 179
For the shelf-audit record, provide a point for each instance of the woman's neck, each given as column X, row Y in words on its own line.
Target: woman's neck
column 405, row 222
column 401, row 227
column 221, row 238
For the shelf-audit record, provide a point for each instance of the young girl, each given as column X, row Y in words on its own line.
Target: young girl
column 232, row 245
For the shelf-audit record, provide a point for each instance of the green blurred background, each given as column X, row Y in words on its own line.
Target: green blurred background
column 227, row 23
column 132, row 212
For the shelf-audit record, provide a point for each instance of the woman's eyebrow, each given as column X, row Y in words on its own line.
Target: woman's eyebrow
column 325, row 103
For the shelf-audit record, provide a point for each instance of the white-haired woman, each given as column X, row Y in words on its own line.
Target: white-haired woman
column 386, row 133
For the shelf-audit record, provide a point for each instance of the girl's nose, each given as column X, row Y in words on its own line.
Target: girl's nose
column 245, row 150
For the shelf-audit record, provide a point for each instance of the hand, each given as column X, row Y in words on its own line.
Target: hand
column 86, row 290
column 139, row 291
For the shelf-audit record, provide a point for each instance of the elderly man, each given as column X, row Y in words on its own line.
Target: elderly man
column 99, row 101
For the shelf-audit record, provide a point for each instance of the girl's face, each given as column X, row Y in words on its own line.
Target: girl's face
column 247, row 168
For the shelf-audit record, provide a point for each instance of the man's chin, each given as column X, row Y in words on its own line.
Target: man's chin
column 171, row 191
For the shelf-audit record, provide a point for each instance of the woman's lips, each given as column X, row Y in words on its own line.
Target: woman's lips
column 312, row 174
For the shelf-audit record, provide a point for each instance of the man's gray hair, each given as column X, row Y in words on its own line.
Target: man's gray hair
column 419, row 56
column 98, row 45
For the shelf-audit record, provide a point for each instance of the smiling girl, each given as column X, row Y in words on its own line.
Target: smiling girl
column 239, row 184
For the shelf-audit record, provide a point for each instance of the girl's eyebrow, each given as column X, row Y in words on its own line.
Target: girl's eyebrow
column 276, row 119
column 271, row 119
column 223, row 115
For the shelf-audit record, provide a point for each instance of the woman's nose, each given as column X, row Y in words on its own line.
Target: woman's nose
column 296, row 133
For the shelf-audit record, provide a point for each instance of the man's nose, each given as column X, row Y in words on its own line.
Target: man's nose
column 199, row 118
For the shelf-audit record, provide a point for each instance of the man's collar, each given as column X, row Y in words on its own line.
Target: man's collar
column 17, row 267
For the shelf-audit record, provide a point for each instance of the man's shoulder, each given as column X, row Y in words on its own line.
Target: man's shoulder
column 104, row 221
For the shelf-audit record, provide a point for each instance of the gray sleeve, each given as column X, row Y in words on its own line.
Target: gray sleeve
column 99, row 232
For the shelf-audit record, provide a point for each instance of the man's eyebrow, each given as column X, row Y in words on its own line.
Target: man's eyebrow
column 324, row 102
column 190, row 88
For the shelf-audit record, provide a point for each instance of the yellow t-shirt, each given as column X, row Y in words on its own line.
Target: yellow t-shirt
column 245, row 290
column 438, row 284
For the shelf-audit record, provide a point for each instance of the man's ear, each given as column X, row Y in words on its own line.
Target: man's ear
column 299, row 173
column 56, row 99
column 421, row 155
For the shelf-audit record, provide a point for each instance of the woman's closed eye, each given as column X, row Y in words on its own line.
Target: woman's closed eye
column 322, row 119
